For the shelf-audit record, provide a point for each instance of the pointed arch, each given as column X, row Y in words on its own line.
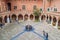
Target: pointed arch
column 14, row 17
column 59, row 24
column 0, row 19
column 50, row 18
column 54, row 21
column 5, row 19
column 20, row 17
column 43, row 17
column 31, row 17
column 26, row 17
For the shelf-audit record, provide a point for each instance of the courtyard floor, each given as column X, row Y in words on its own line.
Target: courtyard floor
column 16, row 31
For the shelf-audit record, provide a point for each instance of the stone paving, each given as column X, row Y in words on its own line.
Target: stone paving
column 12, row 29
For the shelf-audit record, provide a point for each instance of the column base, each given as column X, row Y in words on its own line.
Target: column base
column 55, row 27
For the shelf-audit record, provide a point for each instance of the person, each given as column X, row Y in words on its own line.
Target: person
column 43, row 33
column 46, row 36
column 30, row 27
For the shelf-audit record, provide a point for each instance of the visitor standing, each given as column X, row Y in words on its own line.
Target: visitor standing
column 46, row 36
column 43, row 33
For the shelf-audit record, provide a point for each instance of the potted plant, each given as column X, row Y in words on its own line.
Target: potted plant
column 37, row 13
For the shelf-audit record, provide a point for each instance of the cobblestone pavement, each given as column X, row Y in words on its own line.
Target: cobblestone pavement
column 11, row 30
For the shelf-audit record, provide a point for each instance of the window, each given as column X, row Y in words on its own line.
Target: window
column 15, row 7
column 23, row 7
column 9, row 6
column 55, row 9
column 41, row 9
column 34, row 7
column 49, row 9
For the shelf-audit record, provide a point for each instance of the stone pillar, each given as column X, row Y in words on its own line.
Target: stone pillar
column 45, row 19
column 17, row 18
column 8, row 20
column 11, row 18
column 51, row 21
column 23, row 17
column 3, row 21
column 48, row 19
column 56, row 24
column 34, row 18
column 28, row 18
column 40, row 18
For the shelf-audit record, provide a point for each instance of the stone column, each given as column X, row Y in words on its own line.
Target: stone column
column 28, row 18
column 51, row 21
column 56, row 24
column 23, row 17
column 34, row 18
column 45, row 19
column 17, row 18
column 48, row 18
column 3, row 21
column 8, row 20
column 40, row 18
column 11, row 18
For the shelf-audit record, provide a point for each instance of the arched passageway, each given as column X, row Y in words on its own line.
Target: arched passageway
column 31, row 17
column 25, row 17
column 10, row 18
column 50, row 18
column 0, row 19
column 1, row 22
column 36, row 17
column 20, row 17
column 47, row 17
column 14, row 17
column 59, row 24
column 43, row 17
column 54, row 21
column 5, row 19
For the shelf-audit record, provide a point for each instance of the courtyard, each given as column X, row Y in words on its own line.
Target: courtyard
column 29, row 19
column 16, row 31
